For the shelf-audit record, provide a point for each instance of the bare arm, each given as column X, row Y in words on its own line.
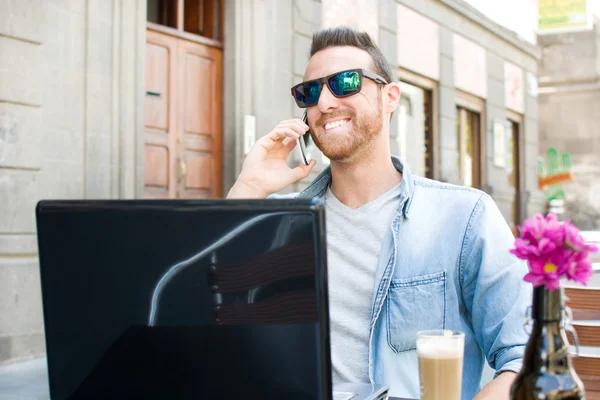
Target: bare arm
column 499, row 388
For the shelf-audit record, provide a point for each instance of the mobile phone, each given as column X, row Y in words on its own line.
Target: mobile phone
column 302, row 142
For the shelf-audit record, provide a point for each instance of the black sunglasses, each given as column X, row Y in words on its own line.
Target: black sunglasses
column 341, row 84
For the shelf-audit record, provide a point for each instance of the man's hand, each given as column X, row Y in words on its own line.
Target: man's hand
column 498, row 389
column 265, row 170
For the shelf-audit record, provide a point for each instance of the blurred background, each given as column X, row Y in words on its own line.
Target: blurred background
column 106, row 99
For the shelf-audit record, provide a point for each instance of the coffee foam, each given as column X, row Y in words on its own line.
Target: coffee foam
column 440, row 347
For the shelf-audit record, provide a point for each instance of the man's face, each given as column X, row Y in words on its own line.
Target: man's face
column 342, row 127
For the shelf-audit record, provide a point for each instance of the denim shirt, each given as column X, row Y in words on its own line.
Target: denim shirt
column 444, row 264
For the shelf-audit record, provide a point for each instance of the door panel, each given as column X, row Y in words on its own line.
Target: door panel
column 201, row 180
column 183, row 111
column 199, row 93
column 159, row 117
column 201, row 116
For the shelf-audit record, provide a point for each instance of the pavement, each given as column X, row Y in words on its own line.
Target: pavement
column 24, row 380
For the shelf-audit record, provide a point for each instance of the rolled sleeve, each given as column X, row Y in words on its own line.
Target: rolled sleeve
column 494, row 293
column 510, row 360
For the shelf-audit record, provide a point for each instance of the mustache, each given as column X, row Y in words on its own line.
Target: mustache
column 336, row 114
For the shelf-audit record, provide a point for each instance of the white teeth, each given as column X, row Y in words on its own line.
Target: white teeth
column 335, row 124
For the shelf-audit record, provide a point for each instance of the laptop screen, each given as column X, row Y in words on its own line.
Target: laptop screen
column 197, row 299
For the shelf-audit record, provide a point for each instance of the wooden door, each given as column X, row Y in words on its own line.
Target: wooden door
column 200, row 117
column 183, row 112
column 160, row 120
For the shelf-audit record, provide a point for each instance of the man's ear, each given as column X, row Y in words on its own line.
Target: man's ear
column 391, row 97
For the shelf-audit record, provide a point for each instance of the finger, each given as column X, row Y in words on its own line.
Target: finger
column 278, row 134
column 302, row 171
column 295, row 126
column 294, row 121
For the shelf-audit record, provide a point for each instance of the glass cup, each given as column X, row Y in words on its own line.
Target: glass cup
column 441, row 354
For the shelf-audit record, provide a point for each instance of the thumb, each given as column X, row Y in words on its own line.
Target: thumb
column 302, row 171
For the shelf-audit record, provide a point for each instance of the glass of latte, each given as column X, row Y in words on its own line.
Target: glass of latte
column 440, row 355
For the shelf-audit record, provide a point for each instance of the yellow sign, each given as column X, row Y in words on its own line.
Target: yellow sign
column 561, row 14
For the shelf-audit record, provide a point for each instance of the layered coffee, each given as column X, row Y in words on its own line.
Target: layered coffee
column 440, row 364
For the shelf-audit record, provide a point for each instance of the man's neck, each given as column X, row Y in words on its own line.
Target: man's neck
column 358, row 183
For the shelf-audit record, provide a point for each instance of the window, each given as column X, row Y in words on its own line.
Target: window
column 513, row 164
column 199, row 17
column 469, row 139
column 467, row 133
column 416, row 139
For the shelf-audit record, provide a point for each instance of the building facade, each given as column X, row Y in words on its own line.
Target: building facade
column 161, row 99
column 569, row 102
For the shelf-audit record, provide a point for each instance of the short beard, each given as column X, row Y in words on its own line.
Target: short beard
column 364, row 130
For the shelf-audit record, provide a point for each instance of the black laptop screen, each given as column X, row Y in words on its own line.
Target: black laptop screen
column 183, row 300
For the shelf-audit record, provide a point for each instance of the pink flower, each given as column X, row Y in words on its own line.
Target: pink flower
column 524, row 250
column 580, row 271
column 575, row 241
column 533, row 229
column 553, row 250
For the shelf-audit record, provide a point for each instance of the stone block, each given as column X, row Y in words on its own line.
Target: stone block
column 449, row 171
column 446, row 42
column 99, row 104
column 447, row 103
column 20, row 72
column 531, row 178
column 301, row 54
column 64, row 40
column 21, row 136
column 22, row 347
column 61, row 180
column 100, row 10
column 497, row 178
column 387, row 44
column 387, row 15
column 98, row 149
column 18, row 244
column 416, row 5
column 447, row 135
column 18, row 196
column 99, row 48
column 98, row 169
column 446, row 71
column 75, row 6
column 64, row 101
column 531, row 107
column 63, row 146
column 531, row 132
column 98, row 182
column 495, row 66
column 20, row 297
column 23, row 19
column 306, row 17
column 434, row 10
column 531, row 152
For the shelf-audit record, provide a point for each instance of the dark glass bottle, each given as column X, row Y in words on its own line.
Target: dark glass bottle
column 547, row 371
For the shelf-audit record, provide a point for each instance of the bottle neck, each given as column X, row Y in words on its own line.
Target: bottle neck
column 547, row 306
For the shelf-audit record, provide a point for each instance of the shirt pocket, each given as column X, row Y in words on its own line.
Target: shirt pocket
column 415, row 304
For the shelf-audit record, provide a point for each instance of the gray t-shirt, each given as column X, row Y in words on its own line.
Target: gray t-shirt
column 354, row 240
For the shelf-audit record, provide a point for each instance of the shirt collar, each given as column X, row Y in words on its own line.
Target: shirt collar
column 318, row 187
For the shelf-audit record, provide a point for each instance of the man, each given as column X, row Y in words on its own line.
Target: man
column 404, row 253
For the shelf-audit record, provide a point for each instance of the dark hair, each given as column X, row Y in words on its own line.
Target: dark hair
column 346, row 36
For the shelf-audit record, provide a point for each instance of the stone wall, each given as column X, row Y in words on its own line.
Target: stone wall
column 71, row 112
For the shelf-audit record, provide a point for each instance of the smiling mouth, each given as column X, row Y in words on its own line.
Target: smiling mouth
column 335, row 124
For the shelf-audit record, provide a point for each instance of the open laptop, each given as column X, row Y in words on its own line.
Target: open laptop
column 203, row 299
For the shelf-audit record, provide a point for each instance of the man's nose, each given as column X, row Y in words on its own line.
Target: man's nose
column 327, row 101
